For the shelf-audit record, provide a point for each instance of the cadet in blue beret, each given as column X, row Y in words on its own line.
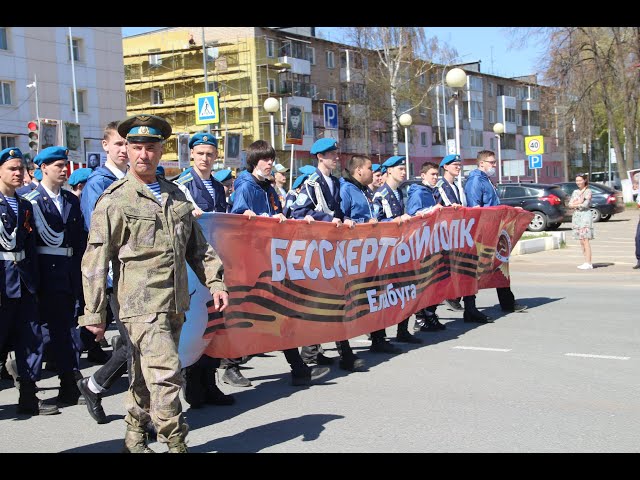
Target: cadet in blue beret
column 19, row 319
column 61, row 241
column 208, row 195
column 307, row 169
column 223, row 175
column 450, row 159
column 319, row 200
column 79, row 177
column 389, row 205
column 293, row 194
column 37, row 174
column 378, row 180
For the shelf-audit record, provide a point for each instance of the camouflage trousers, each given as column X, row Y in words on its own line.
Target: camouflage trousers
column 155, row 377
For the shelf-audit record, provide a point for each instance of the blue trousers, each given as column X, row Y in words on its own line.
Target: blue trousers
column 58, row 310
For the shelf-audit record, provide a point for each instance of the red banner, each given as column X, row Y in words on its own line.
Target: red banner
column 295, row 284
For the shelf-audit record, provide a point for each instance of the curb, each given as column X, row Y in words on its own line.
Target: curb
column 541, row 244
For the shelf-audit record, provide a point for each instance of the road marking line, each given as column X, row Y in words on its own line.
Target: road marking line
column 484, row 349
column 588, row 355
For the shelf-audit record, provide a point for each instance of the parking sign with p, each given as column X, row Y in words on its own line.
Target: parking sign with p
column 331, row 116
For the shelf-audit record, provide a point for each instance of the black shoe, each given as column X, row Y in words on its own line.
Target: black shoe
column 476, row 317
column 384, row 347
column 193, row 386
column 354, row 364
column 516, row 308
column 93, row 400
column 232, row 376
column 322, row 359
column 406, row 337
column 37, row 407
column 305, row 377
column 435, row 320
column 214, row 396
column 97, row 355
column 69, row 393
column 636, row 266
column 429, row 327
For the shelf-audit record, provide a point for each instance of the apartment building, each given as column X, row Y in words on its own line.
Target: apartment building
column 41, row 58
column 165, row 69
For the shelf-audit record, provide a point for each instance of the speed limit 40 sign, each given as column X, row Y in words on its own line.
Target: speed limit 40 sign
column 534, row 145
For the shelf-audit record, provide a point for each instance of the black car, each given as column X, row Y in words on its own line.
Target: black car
column 605, row 201
column 547, row 202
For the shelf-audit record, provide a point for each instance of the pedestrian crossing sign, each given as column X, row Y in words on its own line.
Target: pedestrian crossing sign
column 207, row 110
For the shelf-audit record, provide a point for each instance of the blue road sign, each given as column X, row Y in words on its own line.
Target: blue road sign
column 535, row 161
column 331, row 115
column 207, row 110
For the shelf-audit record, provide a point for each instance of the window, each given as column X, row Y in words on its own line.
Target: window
column 6, row 141
column 5, row 93
column 492, row 144
column 156, row 96
column 509, row 115
column 518, row 119
column 331, row 94
column 271, row 85
column 331, row 60
column 492, row 116
column 475, row 83
column 476, row 138
column 313, row 91
column 154, row 58
column 500, row 90
column 212, row 86
column 422, row 79
column 508, row 141
column 311, row 55
column 271, row 48
column 476, row 110
column 546, row 170
column 532, row 118
column 423, row 111
column 212, row 53
column 490, row 89
column 556, row 171
column 76, row 45
column 423, row 139
column 285, row 49
column 82, row 94
column 512, row 191
column 4, row 45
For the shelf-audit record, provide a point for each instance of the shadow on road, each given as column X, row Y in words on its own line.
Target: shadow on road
column 256, row 439
column 603, row 264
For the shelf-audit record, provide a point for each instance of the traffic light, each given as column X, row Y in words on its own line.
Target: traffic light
column 33, row 135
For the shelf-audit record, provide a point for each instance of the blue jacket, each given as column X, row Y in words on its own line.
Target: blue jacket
column 60, row 273
column 480, row 191
column 307, row 201
column 289, row 201
column 354, row 201
column 421, row 197
column 384, row 195
column 26, row 270
column 22, row 191
column 99, row 180
column 259, row 197
column 201, row 195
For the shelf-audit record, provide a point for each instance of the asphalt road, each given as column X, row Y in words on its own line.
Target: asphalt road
column 560, row 377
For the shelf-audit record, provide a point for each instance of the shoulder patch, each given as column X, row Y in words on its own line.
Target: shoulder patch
column 184, row 179
column 313, row 177
column 31, row 195
column 302, row 198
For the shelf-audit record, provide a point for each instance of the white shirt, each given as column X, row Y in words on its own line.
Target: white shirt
column 327, row 178
column 119, row 174
column 57, row 199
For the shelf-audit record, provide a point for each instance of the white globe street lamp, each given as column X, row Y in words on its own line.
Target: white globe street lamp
column 272, row 105
column 406, row 120
column 498, row 129
column 456, row 79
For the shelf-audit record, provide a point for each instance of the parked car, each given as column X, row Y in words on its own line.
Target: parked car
column 605, row 201
column 547, row 202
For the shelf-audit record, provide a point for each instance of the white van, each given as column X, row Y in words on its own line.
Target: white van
column 601, row 177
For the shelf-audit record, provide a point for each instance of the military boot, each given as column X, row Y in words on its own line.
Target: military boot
column 177, row 445
column 69, row 393
column 135, row 441
column 212, row 394
column 193, row 389
column 29, row 404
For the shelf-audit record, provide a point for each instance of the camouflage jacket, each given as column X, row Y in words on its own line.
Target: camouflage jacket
column 149, row 245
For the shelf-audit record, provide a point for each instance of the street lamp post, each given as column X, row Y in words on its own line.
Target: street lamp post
column 405, row 120
column 456, row 79
column 498, row 129
column 272, row 105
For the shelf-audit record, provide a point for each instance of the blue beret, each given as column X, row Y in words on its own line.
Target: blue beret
column 222, row 175
column 159, row 170
column 9, row 153
column 375, row 167
column 449, row 159
column 307, row 169
column 37, row 174
column 203, row 138
column 51, row 154
column 394, row 161
column 80, row 175
column 324, row 145
column 144, row 128
column 299, row 181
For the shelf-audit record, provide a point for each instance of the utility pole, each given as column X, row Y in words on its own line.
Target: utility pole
column 204, row 69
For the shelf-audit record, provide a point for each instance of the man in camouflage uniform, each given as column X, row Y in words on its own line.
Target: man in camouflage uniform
column 144, row 225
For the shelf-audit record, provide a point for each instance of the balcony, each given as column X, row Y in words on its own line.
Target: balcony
column 297, row 65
